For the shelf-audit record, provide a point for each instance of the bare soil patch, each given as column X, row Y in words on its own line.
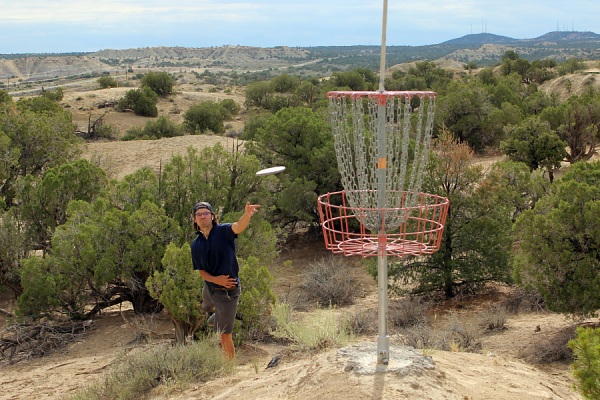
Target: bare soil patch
column 120, row 159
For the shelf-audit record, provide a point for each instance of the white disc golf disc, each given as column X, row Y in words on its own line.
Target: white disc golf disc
column 270, row 171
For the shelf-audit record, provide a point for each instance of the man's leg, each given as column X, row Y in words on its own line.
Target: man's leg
column 227, row 345
column 225, row 310
column 207, row 303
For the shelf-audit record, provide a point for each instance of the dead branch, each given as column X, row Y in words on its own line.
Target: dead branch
column 6, row 312
column 144, row 332
column 22, row 341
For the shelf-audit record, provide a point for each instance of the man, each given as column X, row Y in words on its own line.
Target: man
column 214, row 256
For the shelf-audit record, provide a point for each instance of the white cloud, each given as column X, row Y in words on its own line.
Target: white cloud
column 87, row 24
column 135, row 11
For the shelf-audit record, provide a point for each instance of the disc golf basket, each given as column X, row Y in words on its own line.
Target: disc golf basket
column 382, row 142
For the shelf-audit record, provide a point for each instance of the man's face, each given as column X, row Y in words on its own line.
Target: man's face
column 203, row 218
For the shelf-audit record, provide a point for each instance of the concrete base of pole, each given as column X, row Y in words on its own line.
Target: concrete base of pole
column 360, row 359
column 383, row 347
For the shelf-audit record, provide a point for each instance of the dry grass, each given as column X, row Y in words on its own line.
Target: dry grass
column 550, row 348
column 520, row 300
column 363, row 322
column 319, row 330
column 132, row 376
column 328, row 282
column 408, row 311
column 493, row 318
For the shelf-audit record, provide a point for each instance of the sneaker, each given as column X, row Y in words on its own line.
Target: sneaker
column 211, row 320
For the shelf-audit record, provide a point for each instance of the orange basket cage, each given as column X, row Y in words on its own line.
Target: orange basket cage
column 419, row 232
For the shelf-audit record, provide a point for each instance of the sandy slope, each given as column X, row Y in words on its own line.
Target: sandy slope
column 119, row 158
column 321, row 376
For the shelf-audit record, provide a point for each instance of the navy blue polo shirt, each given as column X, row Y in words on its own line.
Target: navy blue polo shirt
column 216, row 255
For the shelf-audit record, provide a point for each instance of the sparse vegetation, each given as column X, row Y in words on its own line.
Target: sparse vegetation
column 132, row 376
column 453, row 332
column 162, row 127
column 316, row 331
column 521, row 300
column 550, row 349
column 329, row 282
column 408, row 311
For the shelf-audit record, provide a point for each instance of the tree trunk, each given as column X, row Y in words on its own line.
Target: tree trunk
column 184, row 329
column 447, row 267
column 143, row 303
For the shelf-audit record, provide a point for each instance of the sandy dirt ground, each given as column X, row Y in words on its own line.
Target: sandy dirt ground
column 495, row 373
column 120, row 159
column 498, row 371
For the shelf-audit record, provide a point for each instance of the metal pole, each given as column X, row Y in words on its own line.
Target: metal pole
column 382, row 55
column 383, row 339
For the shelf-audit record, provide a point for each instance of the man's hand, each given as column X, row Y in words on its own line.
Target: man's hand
column 251, row 209
column 225, row 281
column 241, row 224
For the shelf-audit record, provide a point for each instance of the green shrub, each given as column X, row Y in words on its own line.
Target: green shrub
column 229, row 108
column 5, row 97
column 159, row 82
column 106, row 82
column 141, row 101
column 179, row 290
column 106, row 131
column 54, row 95
column 204, row 116
column 586, row 368
column 163, row 127
column 256, row 299
column 135, row 133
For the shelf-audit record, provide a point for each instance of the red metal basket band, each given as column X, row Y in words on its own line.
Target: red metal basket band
column 420, row 232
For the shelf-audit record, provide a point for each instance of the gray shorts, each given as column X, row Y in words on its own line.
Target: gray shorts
column 224, row 304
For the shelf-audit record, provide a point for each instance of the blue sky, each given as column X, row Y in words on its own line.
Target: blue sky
column 47, row 26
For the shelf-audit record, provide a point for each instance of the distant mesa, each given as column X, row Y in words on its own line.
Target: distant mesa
column 556, row 36
column 22, row 73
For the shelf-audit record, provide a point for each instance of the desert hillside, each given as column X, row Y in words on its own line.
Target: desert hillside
column 507, row 366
